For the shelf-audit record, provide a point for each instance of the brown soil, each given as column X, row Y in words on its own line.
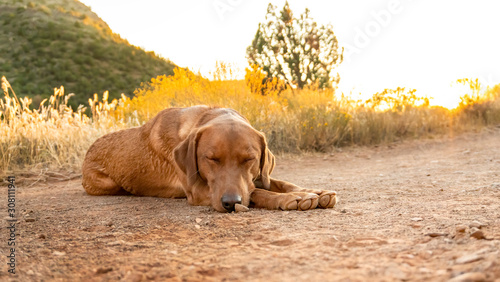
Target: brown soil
column 408, row 211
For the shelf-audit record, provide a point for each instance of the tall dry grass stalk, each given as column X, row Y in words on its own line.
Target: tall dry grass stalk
column 55, row 137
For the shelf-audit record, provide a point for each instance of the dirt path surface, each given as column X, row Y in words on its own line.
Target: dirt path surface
column 421, row 210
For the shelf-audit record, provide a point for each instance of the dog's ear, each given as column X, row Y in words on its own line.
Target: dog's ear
column 266, row 164
column 186, row 158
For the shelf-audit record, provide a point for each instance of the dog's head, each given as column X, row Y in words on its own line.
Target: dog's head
column 226, row 158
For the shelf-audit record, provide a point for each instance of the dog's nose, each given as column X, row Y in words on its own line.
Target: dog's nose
column 229, row 200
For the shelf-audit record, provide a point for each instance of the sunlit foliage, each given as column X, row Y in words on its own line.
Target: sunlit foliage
column 52, row 136
column 479, row 106
column 259, row 83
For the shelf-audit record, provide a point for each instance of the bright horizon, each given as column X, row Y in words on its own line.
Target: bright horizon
column 417, row 44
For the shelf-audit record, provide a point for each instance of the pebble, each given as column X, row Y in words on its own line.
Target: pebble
column 478, row 234
column 416, row 219
column 57, row 253
column 461, row 228
column 197, row 226
column 133, row 277
column 476, row 224
column 240, row 208
column 435, row 234
column 468, row 259
column 424, row 254
column 116, row 243
column 470, row 277
column 198, row 220
column 425, row 270
column 102, row 270
column 29, row 219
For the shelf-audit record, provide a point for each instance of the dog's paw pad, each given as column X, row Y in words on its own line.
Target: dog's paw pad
column 324, row 201
column 308, row 202
column 327, row 199
column 290, row 202
column 293, row 205
column 305, row 205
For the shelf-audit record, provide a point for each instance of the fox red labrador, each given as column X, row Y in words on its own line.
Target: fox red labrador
column 212, row 156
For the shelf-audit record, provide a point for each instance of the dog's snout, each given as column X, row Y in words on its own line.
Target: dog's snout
column 229, row 200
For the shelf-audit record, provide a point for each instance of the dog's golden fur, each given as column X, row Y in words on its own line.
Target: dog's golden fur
column 212, row 156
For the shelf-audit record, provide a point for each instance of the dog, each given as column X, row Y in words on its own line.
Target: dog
column 211, row 156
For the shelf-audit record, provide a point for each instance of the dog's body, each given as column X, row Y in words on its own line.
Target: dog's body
column 212, row 156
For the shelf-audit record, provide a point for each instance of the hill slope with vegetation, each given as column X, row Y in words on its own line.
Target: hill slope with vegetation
column 48, row 43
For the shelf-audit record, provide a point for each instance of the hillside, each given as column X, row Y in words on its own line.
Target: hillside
column 49, row 43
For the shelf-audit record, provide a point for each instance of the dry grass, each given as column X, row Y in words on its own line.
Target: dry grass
column 52, row 137
column 56, row 138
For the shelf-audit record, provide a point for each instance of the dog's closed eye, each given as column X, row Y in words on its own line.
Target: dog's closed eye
column 247, row 160
column 213, row 159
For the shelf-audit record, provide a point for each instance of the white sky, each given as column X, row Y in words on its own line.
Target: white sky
column 419, row 44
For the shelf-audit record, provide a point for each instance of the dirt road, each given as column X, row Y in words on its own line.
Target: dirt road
column 420, row 210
